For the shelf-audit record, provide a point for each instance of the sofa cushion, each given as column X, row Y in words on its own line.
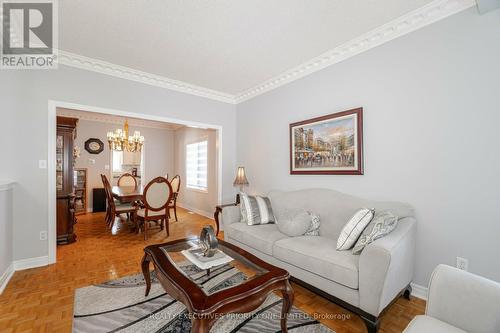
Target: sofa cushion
column 426, row 324
column 260, row 237
column 318, row 255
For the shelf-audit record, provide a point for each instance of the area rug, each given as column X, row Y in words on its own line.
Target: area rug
column 120, row 306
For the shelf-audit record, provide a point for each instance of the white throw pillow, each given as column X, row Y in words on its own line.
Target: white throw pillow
column 294, row 224
column 353, row 229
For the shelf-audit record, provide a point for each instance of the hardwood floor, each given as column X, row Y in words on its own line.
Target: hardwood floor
column 41, row 299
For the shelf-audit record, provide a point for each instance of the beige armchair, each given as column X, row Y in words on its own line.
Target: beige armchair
column 459, row 302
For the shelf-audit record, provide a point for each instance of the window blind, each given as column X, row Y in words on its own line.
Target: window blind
column 196, row 165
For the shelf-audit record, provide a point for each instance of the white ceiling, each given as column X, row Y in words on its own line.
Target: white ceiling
column 224, row 45
column 230, row 50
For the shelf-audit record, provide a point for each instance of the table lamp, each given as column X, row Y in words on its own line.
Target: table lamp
column 240, row 180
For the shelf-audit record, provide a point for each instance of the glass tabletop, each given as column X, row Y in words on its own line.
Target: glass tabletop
column 226, row 269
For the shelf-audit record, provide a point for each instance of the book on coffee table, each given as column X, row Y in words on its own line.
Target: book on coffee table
column 195, row 255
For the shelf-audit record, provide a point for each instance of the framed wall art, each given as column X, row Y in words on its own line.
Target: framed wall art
column 328, row 145
column 94, row 146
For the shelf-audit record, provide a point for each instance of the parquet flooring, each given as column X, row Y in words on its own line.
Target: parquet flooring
column 41, row 299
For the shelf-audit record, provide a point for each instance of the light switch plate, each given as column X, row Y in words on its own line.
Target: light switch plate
column 463, row 264
column 42, row 164
column 106, row 167
column 91, row 161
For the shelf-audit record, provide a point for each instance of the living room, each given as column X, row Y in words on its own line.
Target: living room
column 417, row 82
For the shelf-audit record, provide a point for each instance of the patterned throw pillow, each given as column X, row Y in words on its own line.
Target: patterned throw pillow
column 256, row 209
column 353, row 229
column 382, row 224
column 314, row 226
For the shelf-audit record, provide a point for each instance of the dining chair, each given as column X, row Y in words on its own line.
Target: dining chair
column 115, row 210
column 127, row 180
column 104, row 184
column 157, row 195
column 176, row 186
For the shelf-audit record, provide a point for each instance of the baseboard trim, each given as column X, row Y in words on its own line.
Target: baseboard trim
column 31, row 263
column 419, row 291
column 209, row 215
column 5, row 278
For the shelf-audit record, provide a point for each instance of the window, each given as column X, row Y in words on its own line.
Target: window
column 117, row 160
column 196, row 165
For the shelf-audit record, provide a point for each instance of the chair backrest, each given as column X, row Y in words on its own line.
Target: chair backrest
column 127, row 180
column 464, row 300
column 157, row 194
column 335, row 208
column 176, row 183
column 108, row 191
column 105, row 184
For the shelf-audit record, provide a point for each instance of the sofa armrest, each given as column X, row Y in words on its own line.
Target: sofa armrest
column 230, row 214
column 386, row 267
column 464, row 300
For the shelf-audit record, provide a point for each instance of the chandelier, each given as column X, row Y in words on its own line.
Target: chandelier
column 120, row 140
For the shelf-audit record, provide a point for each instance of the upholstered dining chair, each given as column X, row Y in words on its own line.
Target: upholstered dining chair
column 113, row 209
column 127, row 180
column 157, row 194
column 176, row 186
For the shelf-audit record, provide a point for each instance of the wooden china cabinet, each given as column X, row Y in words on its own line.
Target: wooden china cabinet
column 66, row 134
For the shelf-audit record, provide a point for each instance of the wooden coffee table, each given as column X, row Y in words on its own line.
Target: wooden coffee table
column 204, row 306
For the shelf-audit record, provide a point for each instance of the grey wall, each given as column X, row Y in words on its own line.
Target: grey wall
column 198, row 201
column 431, row 112
column 26, row 111
column 158, row 152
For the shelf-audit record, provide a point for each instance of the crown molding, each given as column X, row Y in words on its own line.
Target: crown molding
column 104, row 67
column 116, row 120
column 6, row 185
column 419, row 18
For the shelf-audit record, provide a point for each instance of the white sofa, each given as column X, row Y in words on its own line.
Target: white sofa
column 459, row 302
column 365, row 284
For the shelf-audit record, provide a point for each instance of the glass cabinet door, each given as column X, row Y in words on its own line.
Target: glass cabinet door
column 59, row 163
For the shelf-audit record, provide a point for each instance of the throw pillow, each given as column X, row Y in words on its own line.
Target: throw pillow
column 382, row 224
column 353, row 229
column 255, row 209
column 313, row 229
column 294, row 224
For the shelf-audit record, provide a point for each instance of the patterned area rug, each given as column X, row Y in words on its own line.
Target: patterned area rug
column 120, row 306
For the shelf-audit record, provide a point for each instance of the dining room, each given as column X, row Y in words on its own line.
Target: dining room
column 131, row 177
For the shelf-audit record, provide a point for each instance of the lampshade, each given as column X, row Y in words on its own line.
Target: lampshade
column 241, row 178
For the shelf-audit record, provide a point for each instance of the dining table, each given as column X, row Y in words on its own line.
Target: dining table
column 128, row 193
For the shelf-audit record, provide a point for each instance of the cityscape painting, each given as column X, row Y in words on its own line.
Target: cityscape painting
column 331, row 144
